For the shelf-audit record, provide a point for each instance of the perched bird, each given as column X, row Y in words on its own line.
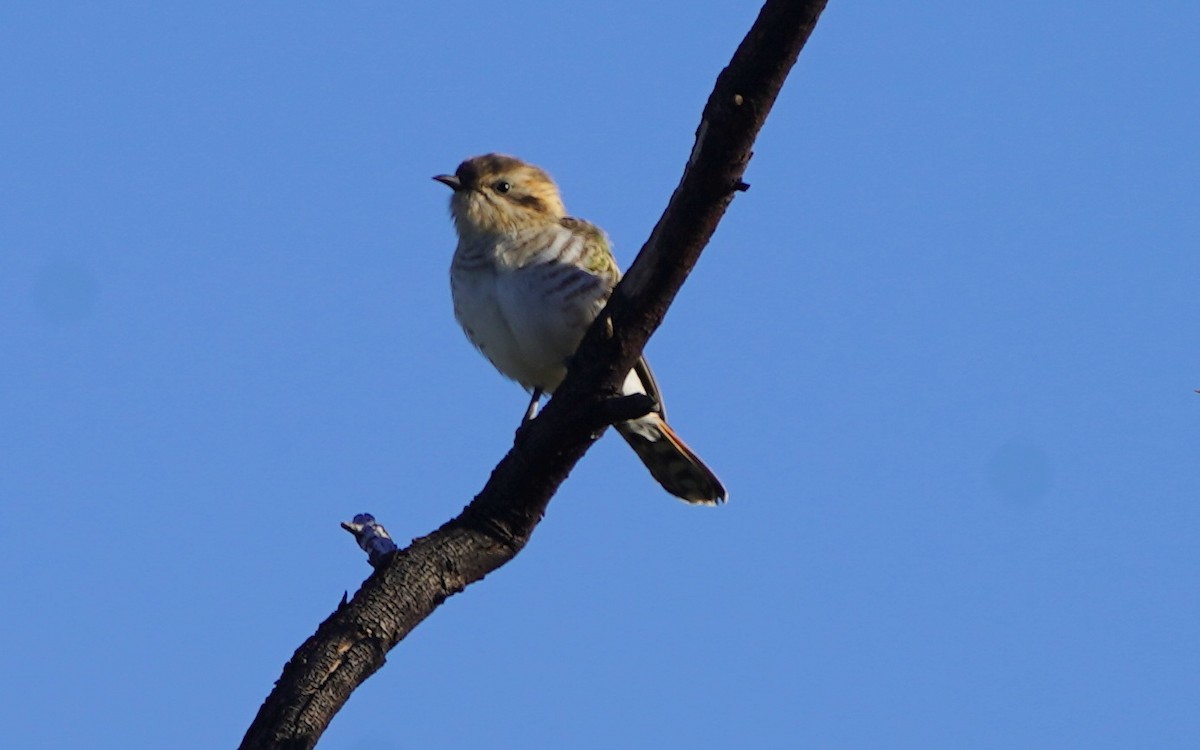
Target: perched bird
column 527, row 282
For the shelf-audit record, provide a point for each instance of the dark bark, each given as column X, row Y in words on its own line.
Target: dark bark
column 352, row 643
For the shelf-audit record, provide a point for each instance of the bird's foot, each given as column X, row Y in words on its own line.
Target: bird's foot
column 531, row 411
column 625, row 408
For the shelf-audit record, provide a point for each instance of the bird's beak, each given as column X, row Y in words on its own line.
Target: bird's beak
column 450, row 181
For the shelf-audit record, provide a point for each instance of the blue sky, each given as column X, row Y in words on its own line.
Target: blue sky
column 942, row 353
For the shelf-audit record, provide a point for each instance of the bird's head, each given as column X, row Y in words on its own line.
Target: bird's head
column 494, row 193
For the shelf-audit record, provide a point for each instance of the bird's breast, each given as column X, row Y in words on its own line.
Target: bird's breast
column 524, row 302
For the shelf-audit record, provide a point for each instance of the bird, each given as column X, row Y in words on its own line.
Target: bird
column 527, row 280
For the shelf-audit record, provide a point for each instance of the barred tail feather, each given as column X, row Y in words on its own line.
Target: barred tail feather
column 671, row 462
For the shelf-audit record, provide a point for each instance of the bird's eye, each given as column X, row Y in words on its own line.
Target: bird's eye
column 502, row 186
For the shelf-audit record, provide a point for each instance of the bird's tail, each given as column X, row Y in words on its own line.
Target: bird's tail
column 670, row 461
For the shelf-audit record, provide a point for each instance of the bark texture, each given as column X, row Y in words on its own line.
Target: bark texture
column 352, row 643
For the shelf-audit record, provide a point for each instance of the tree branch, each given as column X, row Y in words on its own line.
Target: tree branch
column 351, row 644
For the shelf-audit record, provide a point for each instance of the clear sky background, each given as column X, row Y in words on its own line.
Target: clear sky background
column 942, row 353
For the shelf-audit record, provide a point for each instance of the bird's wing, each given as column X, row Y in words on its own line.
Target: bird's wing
column 600, row 261
column 596, row 258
